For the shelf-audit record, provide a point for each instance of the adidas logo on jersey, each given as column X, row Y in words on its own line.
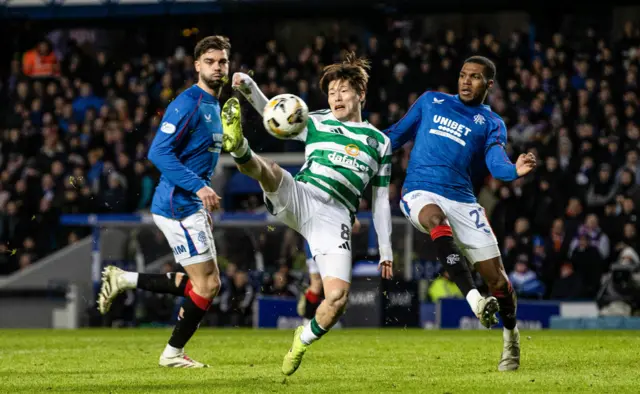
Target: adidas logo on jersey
column 346, row 161
column 345, row 246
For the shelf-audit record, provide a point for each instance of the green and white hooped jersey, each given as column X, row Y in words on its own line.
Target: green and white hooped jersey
column 342, row 158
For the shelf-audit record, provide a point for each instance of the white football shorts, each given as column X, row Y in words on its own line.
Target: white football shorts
column 471, row 229
column 322, row 221
column 191, row 238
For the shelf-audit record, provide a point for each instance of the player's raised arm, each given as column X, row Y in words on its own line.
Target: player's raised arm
column 497, row 160
column 244, row 84
column 406, row 128
column 382, row 213
column 173, row 129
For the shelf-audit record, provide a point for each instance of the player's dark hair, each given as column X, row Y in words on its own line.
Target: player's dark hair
column 352, row 69
column 220, row 43
column 489, row 66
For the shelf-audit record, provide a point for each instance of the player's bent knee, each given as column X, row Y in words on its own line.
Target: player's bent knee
column 213, row 285
column 207, row 286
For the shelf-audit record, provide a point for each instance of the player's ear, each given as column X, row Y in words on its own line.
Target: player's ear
column 490, row 84
column 197, row 65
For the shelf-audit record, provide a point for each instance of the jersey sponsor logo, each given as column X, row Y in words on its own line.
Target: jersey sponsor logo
column 436, row 101
column 372, row 142
column 337, row 130
column 207, row 118
column 339, row 158
column 180, row 249
column 168, row 128
column 450, row 129
column 352, row 150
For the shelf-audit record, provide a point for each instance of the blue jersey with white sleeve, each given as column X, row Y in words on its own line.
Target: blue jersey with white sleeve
column 453, row 142
column 185, row 149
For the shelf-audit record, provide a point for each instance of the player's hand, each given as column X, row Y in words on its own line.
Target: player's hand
column 242, row 83
column 525, row 164
column 386, row 267
column 210, row 199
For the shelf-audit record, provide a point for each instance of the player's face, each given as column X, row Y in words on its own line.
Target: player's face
column 344, row 101
column 213, row 67
column 472, row 84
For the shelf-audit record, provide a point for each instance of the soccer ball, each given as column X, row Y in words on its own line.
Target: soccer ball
column 285, row 116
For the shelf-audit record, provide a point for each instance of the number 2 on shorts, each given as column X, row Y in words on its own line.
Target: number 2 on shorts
column 476, row 215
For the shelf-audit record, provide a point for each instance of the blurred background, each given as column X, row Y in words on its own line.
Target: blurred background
column 83, row 86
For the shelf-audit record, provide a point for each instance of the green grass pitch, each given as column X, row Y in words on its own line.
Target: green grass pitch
column 365, row 361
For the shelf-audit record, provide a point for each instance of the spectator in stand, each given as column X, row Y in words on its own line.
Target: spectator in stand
column 525, row 282
column 40, row 62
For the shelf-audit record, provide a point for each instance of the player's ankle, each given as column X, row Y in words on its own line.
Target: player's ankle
column 242, row 149
column 130, row 279
column 473, row 297
column 312, row 332
column 170, row 351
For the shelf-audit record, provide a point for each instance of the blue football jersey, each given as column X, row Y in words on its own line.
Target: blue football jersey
column 185, row 149
column 452, row 143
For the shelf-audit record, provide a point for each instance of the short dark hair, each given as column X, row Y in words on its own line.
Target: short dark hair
column 220, row 43
column 489, row 66
column 352, row 69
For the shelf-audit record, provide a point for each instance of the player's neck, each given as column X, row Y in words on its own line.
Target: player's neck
column 207, row 89
column 356, row 118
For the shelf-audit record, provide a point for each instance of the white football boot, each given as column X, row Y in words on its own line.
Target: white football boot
column 113, row 283
column 180, row 361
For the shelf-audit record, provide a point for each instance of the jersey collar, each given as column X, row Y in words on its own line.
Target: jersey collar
column 205, row 96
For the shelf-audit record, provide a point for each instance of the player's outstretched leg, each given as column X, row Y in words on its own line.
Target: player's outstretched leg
column 433, row 219
column 336, row 294
column 494, row 274
column 267, row 173
column 116, row 281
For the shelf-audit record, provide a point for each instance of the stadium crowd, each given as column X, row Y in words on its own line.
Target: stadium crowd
column 76, row 125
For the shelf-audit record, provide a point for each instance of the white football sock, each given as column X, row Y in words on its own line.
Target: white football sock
column 472, row 298
column 510, row 335
column 131, row 279
column 307, row 336
column 171, row 351
column 242, row 149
